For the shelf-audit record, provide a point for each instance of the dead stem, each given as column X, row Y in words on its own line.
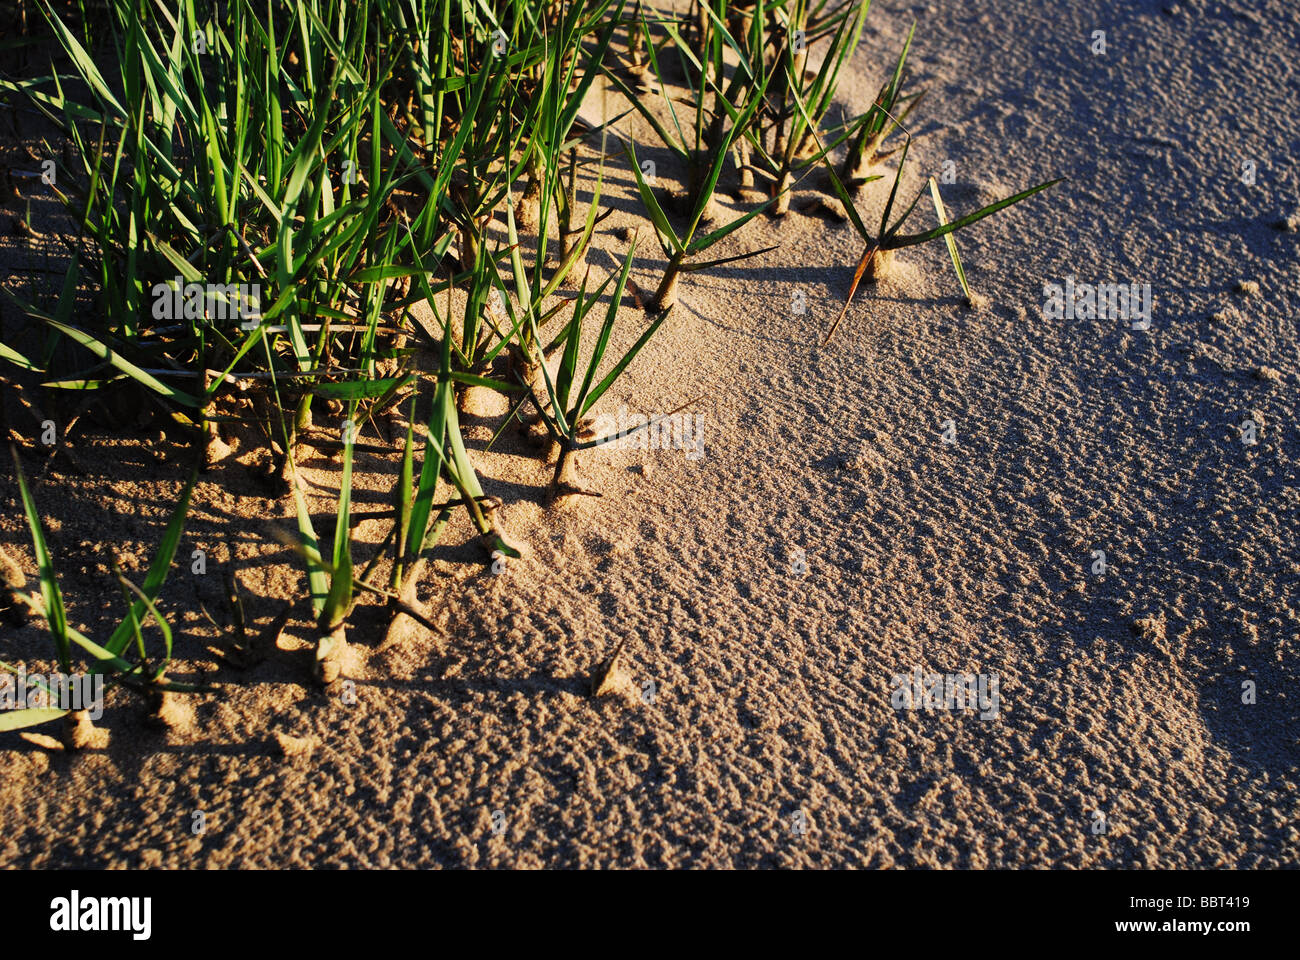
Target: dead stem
column 666, row 295
column 331, row 645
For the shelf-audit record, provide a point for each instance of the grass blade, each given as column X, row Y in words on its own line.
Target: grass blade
column 55, row 615
column 952, row 243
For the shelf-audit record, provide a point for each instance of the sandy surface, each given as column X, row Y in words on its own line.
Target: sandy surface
column 827, row 539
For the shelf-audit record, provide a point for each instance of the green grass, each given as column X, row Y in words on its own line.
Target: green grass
column 142, row 669
column 353, row 160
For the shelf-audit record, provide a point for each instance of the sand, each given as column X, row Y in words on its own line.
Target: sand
column 828, row 539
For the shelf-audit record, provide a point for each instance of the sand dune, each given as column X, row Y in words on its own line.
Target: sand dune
column 828, row 539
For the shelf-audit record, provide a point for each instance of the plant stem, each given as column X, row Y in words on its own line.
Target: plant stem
column 636, row 42
column 330, row 645
column 528, row 212
column 666, row 295
column 744, row 172
column 879, row 266
column 781, row 206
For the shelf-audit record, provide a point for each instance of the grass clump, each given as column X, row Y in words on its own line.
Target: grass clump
column 358, row 165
